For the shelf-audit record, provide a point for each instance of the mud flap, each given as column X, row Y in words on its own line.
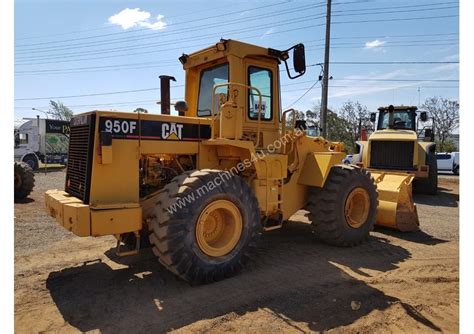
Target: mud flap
column 396, row 206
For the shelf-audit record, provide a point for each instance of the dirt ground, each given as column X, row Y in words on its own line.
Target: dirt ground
column 397, row 282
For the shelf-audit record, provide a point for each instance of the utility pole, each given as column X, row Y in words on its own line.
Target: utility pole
column 419, row 96
column 324, row 96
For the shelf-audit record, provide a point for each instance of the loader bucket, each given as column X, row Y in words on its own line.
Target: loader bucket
column 396, row 208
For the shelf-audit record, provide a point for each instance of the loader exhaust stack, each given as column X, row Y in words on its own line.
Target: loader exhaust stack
column 165, row 93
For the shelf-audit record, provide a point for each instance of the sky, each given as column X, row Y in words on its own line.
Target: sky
column 114, row 51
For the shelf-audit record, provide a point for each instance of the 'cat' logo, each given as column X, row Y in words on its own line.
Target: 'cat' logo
column 171, row 131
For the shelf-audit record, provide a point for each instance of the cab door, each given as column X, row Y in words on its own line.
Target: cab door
column 263, row 75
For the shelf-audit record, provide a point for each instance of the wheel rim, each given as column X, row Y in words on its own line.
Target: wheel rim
column 357, row 206
column 30, row 163
column 219, row 228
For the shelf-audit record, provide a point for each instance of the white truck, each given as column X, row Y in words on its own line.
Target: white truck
column 448, row 162
column 39, row 139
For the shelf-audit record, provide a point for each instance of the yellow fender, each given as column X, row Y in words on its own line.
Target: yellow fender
column 396, row 207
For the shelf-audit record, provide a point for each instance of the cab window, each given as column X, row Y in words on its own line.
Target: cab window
column 23, row 138
column 401, row 120
column 260, row 78
column 210, row 77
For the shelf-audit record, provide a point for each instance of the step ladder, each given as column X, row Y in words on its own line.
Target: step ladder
column 278, row 202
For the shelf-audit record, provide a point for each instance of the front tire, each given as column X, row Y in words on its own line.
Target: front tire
column 31, row 161
column 24, row 180
column 428, row 186
column 206, row 225
column 343, row 211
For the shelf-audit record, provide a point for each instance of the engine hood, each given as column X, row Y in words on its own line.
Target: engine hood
column 390, row 134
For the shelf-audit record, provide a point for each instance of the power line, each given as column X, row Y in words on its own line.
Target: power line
column 387, row 46
column 392, row 62
column 226, row 13
column 112, row 27
column 114, row 41
column 146, row 29
column 172, row 61
column 283, row 91
column 143, row 65
column 174, row 42
column 164, row 43
column 93, row 94
column 152, row 89
column 166, row 34
column 220, row 34
column 444, row 3
column 401, row 19
column 398, row 11
column 401, row 80
column 396, row 36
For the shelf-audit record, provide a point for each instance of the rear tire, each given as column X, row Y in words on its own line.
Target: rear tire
column 343, row 211
column 24, row 180
column 428, row 186
column 176, row 234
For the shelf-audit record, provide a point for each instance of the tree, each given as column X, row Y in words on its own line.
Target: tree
column 59, row 111
column 445, row 116
column 338, row 128
column 448, row 146
column 357, row 117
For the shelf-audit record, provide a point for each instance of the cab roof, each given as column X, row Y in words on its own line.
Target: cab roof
column 226, row 47
column 414, row 108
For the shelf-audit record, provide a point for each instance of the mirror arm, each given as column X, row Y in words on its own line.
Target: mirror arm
column 283, row 56
column 289, row 74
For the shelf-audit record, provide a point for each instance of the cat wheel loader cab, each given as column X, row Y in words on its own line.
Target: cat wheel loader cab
column 400, row 156
column 201, row 187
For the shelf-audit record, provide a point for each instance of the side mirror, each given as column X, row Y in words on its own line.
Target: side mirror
column 299, row 59
column 373, row 117
column 424, row 116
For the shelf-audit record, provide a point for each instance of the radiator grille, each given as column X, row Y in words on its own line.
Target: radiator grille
column 80, row 159
column 391, row 154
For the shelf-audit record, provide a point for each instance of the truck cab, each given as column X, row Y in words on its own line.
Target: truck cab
column 41, row 140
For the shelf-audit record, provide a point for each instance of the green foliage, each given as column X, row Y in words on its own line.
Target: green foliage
column 343, row 124
column 59, row 111
column 447, row 146
column 445, row 117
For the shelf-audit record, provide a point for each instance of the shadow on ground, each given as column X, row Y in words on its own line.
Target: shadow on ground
column 24, row 200
column 443, row 198
column 293, row 277
column 418, row 237
column 45, row 170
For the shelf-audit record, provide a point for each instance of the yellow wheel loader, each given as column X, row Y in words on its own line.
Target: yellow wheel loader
column 203, row 185
column 401, row 158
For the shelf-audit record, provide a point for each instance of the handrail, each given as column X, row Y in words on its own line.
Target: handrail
column 240, row 85
column 283, row 125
